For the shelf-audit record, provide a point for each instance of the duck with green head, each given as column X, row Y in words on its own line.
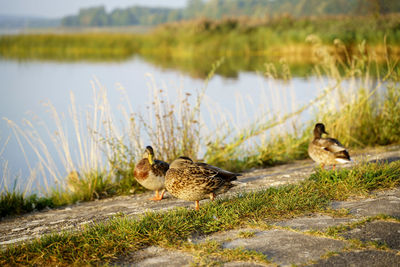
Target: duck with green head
column 150, row 173
column 327, row 151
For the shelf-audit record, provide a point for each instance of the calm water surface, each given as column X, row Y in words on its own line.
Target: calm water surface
column 26, row 86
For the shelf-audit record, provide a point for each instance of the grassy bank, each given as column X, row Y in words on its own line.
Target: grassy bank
column 101, row 243
column 277, row 36
column 245, row 43
column 69, row 47
column 248, row 43
column 358, row 108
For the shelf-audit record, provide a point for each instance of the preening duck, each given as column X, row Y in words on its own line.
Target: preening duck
column 327, row 151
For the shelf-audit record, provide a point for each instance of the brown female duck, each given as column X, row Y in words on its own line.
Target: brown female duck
column 150, row 173
column 194, row 181
column 327, row 151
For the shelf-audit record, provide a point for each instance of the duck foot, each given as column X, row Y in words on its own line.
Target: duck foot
column 158, row 197
column 196, row 205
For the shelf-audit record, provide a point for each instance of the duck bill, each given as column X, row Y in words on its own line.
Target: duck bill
column 150, row 158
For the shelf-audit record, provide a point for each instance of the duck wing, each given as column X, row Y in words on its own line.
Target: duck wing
column 160, row 167
column 206, row 179
column 334, row 146
column 200, row 170
column 226, row 175
column 329, row 144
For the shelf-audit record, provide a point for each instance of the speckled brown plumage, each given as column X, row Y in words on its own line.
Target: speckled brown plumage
column 150, row 173
column 327, row 151
column 194, row 181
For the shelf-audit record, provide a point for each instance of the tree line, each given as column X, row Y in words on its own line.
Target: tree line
column 216, row 9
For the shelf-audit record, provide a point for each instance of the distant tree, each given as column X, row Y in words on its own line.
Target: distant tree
column 95, row 16
column 378, row 6
column 122, row 17
column 138, row 15
column 194, row 9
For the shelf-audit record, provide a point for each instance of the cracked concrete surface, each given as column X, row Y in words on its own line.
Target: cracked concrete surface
column 286, row 244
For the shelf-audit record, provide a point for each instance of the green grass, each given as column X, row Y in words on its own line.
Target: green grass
column 246, row 234
column 367, row 115
column 368, row 119
column 101, row 243
column 212, row 253
column 12, row 203
column 335, row 231
column 191, row 46
column 363, row 115
column 69, row 47
column 85, row 177
column 90, row 187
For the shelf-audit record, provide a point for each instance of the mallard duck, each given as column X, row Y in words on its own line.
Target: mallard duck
column 150, row 173
column 327, row 151
column 194, row 181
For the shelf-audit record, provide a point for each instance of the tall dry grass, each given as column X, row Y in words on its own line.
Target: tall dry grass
column 359, row 107
column 99, row 154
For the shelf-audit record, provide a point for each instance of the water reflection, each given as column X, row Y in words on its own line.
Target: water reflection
column 199, row 67
column 27, row 85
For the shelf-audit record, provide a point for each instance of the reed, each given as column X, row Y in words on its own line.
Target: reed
column 191, row 45
column 69, row 47
column 72, row 161
column 360, row 109
column 98, row 155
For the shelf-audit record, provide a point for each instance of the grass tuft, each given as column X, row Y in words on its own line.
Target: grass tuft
column 100, row 156
column 210, row 251
column 14, row 203
column 100, row 243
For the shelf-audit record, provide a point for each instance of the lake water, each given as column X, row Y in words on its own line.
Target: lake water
column 26, row 86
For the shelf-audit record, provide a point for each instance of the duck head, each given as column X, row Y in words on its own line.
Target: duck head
column 319, row 129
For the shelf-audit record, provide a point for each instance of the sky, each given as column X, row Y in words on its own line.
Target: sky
column 61, row 8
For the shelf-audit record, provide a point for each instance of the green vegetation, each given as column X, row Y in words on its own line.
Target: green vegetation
column 15, row 203
column 83, row 188
column 362, row 51
column 246, row 44
column 246, row 234
column 338, row 231
column 84, row 178
column 100, row 243
column 368, row 115
column 217, row 9
column 335, row 231
column 90, row 176
column 212, row 253
column 362, row 116
column 298, row 8
column 342, row 49
column 97, row 16
column 69, row 47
